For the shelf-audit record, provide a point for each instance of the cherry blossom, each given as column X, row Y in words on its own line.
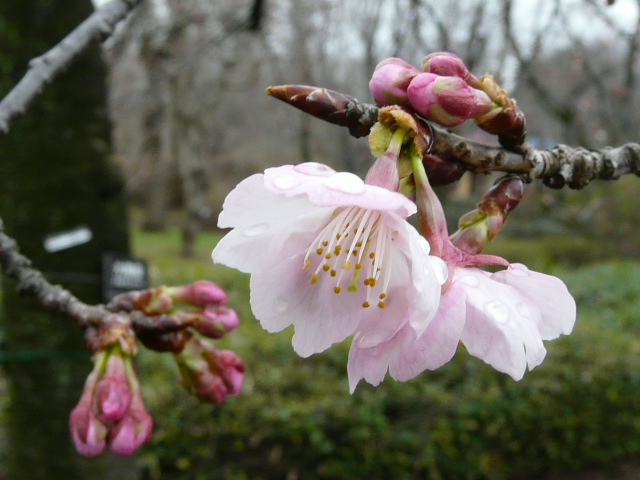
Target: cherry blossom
column 331, row 255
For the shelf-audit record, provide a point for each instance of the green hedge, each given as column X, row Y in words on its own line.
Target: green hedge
column 296, row 419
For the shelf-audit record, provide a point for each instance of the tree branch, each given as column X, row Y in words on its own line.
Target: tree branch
column 42, row 70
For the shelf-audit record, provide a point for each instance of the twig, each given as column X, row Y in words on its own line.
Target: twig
column 42, row 70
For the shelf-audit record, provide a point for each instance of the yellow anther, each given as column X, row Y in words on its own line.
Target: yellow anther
column 355, row 253
column 325, row 243
column 372, row 255
column 358, row 244
column 328, row 256
column 307, row 264
column 326, row 267
column 366, row 281
column 333, row 273
column 372, row 282
column 358, row 266
column 320, row 251
column 314, row 278
column 382, row 304
column 336, row 289
column 338, row 249
column 383, row 296
column 366, row 304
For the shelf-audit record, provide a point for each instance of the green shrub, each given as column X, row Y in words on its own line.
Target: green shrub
column 296, row 419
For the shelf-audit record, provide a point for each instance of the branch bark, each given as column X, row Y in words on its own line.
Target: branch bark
column 42, row 70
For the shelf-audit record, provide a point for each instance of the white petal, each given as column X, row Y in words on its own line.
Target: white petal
column 268, row 227
column 557, row 306
column 496, row 329
column 283, row 295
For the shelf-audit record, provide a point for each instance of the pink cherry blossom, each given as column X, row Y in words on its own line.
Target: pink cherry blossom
column 501, row 318
column 331, row 255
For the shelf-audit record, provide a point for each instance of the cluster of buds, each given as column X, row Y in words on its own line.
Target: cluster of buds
column 181, row 320
column 177, row 312
column 208, row 372
column 445, row 92
column 111, row 411
column 188, row 318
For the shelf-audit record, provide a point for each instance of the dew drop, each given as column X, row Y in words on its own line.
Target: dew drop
column 281, row 305
column 345, row 182
column 498, row 310
column 316, row 169
column 285, row 182
column 255, row 230
column 373, row 338
column 518, row 270
column 523, row 309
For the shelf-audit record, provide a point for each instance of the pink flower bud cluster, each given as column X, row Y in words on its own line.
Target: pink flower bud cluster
column 209, row 373
column 111, row 411
column 441, row 93
column 201, row 305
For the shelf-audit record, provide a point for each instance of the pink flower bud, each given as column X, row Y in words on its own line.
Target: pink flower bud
column 200, row 294
column 209, row 373
column 448, row 101
column 216, row 321
column 481, row 225
column 132, row 430
column 229, row 367
column 112, row 393
column 88, row 432
column 449, row 65
column 390, row 80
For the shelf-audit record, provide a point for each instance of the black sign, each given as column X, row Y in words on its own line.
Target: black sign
column 121, row 274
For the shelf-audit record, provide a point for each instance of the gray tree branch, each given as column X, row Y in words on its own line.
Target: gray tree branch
column 42, row 70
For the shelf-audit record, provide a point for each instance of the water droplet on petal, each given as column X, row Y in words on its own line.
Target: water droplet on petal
column 316, row 169
column 518, row 270
column 285, row 182
column 345, row 182
column 281, row 305
column 498, row 310
column 255, row 230
column 373, row 338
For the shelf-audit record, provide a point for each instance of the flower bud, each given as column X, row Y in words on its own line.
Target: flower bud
column 448, row 101
column 200, row 294
column 481, row 225
column 210, row 374
column 132, row 430
column 228, row 366
column 216, row 321
column 88, row 432
column 449, row 65
column 112, row 392
column 390, row 80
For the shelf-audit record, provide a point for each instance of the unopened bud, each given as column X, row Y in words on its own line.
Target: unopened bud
column 390, row 80
column 200, row 294
column 88, row 432
column 449, row 65
column 132, row 430
column 448, row 101
column 210, row 374
column 216, row 321
column 112, row 392
column 481, row 225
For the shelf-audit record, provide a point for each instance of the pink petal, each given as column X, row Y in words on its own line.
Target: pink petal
column 404, row 355
column 550, row 294
column 501, row 324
